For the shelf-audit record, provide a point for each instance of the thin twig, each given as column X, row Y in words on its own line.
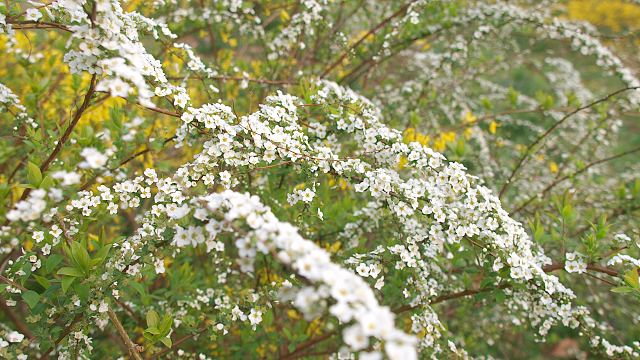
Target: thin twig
column 569, row 176
column 134, row 349
column 530, row 149
column 375, row 29
column 64, row 334
column 179, row 342
column 15, row 319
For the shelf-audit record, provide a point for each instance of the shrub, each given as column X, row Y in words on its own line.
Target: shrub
column 312, row 179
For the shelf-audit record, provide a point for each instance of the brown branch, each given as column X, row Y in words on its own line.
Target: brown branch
column 470, row 292
column 593, row 267
column 30, row 24
column 616, row 213
column 12, row 283
column 375, row 29
column 307, row 344
column 134, row 349
column 15, row 319
column 64, row 334
column 530, row 149
column 238, row 78
column 74, row 121
column 142, row 152
column 131, row 313
column 63, row 139
column 178, row 342
column 576, row 173
column 161, row 111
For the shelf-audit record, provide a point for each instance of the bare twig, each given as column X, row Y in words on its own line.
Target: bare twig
column 15, row 319
column 375, row 29
column 530, row 149
column 569, row 176
column 134, row 349
column 64, row 334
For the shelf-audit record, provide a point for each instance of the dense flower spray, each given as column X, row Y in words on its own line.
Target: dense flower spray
column 306, row 182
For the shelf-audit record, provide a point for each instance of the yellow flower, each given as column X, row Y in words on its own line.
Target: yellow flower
column 493, row 127
column 614, row 14
column 333, row 248
column 409, row 135
column 292, row 314
column 402, row 162
column 284, row 15
column 553, row 167
column 469, row 118
column 344, row 185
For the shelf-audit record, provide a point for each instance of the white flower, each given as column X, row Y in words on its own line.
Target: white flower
column 33, row 14
column 363, row 269
column 190, row 236
column 112, row 208
column 375, row 322
column 401, row 347
column 46, row 250
column 380, row 283
column 116, row 87
column 370, row 356
column 177, row 212
column 181, row 99
column 255, row 317
column 93, row 158
column 14, row 337
column 575, row 263
column 622, row 238
column 182, row 237
column 68, row 178
column 38, row 236
column 159, row 266
column 103, row 307
column 307, row 195
column 355, row 338
column 575, row 267
column 55, row 231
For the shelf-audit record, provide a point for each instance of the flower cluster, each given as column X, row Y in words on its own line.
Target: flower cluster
column 312, row 179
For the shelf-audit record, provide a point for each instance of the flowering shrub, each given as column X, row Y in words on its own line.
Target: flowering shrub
column 314, row 179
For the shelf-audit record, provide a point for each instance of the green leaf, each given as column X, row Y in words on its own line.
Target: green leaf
column 102, row 238
column 622, row 289
column 34, row 176
column 165, row 325
column 103, row 252
column 66, row 283
column 81, row 256
column 51, row 262
column 42, row 281
column 166, row 341
column 153, row 330
column 152, row 318
column 631, row 277
column 138, row 287
column 31, row 298
column 47, row 182
column 70, row 271
column 83, row 291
